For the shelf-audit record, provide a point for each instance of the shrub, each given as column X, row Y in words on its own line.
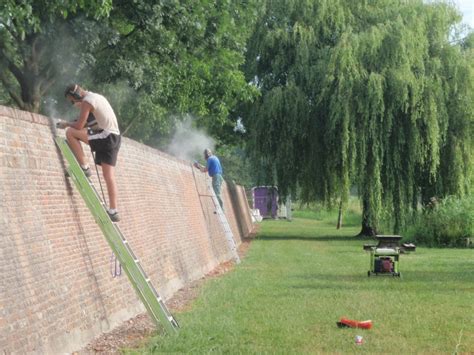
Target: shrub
column 446, row 224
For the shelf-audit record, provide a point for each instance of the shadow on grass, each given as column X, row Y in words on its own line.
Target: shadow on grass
column 314, row 238
column 445, row 281
column 459, row 275
column 333, row 277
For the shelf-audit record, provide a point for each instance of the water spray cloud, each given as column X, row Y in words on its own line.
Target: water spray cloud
column 188, row 142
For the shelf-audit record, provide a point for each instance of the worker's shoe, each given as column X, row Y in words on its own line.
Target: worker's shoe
column 87, row 172
column 114, row 216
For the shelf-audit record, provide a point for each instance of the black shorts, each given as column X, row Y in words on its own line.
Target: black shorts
column 106, row 149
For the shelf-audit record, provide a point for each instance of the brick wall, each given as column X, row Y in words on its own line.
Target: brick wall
column 57, row 291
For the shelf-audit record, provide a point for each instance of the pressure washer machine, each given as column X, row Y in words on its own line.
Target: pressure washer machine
column 384, row 257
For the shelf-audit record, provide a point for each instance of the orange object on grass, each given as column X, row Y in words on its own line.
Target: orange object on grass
column 344, row 322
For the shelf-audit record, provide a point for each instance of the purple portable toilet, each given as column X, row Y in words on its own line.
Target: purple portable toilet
column 265, row 199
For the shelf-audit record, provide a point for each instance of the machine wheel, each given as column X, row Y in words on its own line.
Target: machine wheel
column 368, row 273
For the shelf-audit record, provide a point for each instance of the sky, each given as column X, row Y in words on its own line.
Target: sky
column 467, row 9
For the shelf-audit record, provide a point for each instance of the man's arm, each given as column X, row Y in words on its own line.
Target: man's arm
column 200, row 167
column 81, row 122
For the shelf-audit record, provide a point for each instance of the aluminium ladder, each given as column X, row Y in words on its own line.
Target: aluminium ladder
column 222, row 219
column 225, row 225
column 119, row 245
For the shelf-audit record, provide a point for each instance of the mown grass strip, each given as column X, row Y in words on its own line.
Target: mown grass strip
column 300, row 277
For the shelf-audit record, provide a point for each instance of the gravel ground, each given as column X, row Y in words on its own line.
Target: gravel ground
column 136, row 331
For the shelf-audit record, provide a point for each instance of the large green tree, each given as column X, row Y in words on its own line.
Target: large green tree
column 176, row 58
column 371, row 93
column 34, row 36
column 156, row 61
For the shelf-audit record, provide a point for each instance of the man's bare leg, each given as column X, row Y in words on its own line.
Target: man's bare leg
column 109, row 176
column 74, row 138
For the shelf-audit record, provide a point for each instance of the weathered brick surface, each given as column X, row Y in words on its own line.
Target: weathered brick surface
column 56, row 287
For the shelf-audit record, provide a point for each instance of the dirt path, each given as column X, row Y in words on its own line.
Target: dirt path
column 136, row 331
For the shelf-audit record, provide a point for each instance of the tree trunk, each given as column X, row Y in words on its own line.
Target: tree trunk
column 31, row 90
column 30, row 75
column 339, row 217
column 368, row 230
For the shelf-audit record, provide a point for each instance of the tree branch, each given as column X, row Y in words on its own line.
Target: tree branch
column 12, row 67
column 129, row 125
column 11, row 90
column 123, row 37
column 12, row 33
column 45, row 85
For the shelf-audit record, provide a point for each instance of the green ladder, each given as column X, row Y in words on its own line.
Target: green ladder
column 130, row 263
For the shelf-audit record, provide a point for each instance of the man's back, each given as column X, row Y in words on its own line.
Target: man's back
column 214, row 166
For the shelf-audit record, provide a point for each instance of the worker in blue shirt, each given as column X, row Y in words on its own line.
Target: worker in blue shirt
column 214, row 169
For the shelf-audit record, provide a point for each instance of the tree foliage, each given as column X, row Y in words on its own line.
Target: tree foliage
column 371, row 93
column 177, row 57
column 31, row 32
column 154, row 60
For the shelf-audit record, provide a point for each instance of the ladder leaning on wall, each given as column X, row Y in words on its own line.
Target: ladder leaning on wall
column 225, row 225
column 130, row 263
column 222, row 218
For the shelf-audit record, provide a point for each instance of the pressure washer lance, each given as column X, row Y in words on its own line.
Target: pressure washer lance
column 61, row 124
column 90, row 123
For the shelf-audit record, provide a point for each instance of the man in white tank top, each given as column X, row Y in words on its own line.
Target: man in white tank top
column 97, row 126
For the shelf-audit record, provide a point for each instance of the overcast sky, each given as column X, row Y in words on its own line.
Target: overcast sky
column 467, row 9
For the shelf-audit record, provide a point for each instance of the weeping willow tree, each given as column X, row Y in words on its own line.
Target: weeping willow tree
column 365, row 93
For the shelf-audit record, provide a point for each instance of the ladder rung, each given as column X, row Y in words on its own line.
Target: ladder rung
column 153, row 302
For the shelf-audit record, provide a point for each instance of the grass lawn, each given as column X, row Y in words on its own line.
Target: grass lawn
column 300, row 277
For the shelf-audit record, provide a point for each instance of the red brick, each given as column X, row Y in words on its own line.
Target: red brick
column 54, row 261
